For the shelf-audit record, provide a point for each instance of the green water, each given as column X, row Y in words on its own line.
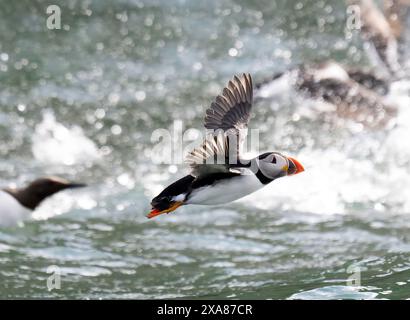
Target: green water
column 82, row 102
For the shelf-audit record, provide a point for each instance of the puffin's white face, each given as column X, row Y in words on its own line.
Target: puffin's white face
column 274, row 165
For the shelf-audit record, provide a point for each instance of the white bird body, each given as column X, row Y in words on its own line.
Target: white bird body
column 11, row 211
column 225, row 191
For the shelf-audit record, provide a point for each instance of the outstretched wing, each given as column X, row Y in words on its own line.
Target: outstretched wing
column 231, row 109
column 228, row 116
column 218, row 153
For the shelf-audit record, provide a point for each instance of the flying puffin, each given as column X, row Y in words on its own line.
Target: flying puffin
column 383, row 32
column 17, row 205
column 219, row 174
column 355, row 94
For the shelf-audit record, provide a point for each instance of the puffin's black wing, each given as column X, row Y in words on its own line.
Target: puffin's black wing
column 228, row 116
column 231, row 109
column 217, row 154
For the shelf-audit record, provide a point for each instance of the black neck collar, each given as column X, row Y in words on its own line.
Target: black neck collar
column 262, row 178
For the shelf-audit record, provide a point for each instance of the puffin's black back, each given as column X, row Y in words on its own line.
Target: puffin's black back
column 186, row 185
column 163, row 200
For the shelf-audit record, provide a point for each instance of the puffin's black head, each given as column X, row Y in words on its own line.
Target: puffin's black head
column 274, row 165
column 40, row 189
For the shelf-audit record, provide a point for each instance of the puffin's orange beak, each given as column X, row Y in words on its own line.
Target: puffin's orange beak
column 295, row 167
column 156, row 212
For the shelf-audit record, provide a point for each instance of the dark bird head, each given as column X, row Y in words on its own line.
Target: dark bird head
column 40, row 189
column 274, row 165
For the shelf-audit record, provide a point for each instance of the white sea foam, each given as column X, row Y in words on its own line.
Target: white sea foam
column 62, row 203
column 54, row 143
column 335, row 292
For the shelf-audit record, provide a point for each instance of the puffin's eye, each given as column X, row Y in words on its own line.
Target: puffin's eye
column 274, row 160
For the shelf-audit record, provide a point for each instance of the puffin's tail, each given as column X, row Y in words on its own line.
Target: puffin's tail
column 163, row 205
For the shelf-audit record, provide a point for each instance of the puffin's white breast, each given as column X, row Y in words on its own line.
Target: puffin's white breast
column 224, row 191
column 11, row 211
